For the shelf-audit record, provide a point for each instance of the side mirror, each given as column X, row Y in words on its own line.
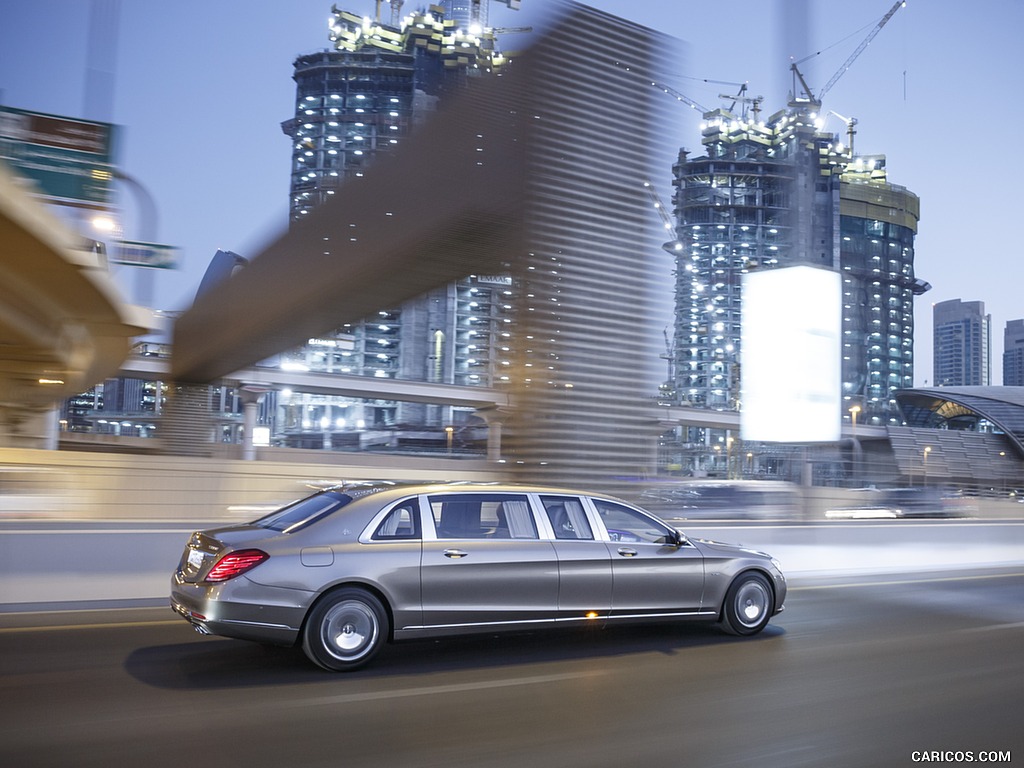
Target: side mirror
column 676, row 538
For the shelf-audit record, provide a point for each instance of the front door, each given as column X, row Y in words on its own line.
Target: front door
column 651, row 577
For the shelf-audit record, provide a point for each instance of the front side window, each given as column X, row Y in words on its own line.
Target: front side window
column 627, row 524
column 483, row 516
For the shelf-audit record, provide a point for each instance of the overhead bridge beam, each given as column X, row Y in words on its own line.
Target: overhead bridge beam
column 446, row 204
column 537, row 173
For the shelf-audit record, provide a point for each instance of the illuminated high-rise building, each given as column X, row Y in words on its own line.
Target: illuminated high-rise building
column 785, row 192
column 877, row 226
column 353, row 103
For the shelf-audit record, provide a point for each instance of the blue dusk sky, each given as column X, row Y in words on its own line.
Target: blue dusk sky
column 202, row 86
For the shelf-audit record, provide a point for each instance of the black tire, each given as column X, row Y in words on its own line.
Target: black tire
column 749, row 604
column 345, row 630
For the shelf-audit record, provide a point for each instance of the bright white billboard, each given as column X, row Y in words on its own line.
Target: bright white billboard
column 790, row 355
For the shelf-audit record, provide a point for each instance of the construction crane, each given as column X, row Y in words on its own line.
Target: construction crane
column 680, row 97
column 690, row 102
column 672, row 245
column 867, row 40
column 851, row 125
column 396, row 11
column 753, row 101
column 816, row 100
column 479, row 10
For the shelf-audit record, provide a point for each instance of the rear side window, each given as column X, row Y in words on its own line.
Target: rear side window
column 483, row 516
column 402, row 522
column 567, row 517
column 304, row 512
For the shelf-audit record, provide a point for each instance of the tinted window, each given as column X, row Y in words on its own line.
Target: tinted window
column 567, row 517
column 304, row 512
column 483, row 516
column 402, row 522
column 627, row 524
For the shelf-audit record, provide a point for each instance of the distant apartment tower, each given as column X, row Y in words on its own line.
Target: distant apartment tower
column 779, row 193
column 962, row 344
column 1013, row 354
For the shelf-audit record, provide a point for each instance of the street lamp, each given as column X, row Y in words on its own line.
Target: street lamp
column 927, row 450
column 854, row 410
column 449, row 431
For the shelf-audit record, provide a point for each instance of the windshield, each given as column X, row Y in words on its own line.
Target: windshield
column 304, row 512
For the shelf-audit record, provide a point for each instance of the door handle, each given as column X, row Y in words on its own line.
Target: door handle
column 627, row 552
column 455, row 554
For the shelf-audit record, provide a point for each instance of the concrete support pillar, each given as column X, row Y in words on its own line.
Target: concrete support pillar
column 495, row 418
column 250, row 395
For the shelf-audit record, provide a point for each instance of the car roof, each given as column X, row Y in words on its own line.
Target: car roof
column 387, row 490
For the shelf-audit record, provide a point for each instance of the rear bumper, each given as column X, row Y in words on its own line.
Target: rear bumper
column 241, row 609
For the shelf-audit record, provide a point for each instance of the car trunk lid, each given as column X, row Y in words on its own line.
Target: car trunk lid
column 205, row 547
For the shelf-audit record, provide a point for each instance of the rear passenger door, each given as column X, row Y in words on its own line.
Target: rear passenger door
column 484, row 562
column 584, row 564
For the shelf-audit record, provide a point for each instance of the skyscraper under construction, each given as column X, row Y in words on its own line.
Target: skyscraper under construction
column 784, row 192
column 356, row 102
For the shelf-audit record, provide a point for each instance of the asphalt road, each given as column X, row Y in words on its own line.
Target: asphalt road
column 861, row 673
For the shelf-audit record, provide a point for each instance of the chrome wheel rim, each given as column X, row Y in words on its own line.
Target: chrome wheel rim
column 349, row 630
column 752, row 601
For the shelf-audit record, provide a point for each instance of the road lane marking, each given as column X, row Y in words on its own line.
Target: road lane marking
column 990, row 627
column 433, row 690
column 95, row 531
column 897, row 582
column 110, row 625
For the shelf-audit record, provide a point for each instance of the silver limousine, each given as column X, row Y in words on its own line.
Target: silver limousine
column 349, row 568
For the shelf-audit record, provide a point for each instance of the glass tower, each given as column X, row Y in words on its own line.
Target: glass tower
column 765, row 195
column 784, row 192
column 878, row 223
column 353, row 104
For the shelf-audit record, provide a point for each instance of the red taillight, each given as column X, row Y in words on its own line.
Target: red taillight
column 235, row 564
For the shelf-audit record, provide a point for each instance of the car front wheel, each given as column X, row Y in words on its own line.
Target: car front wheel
column 748, row 605
column 345, row 630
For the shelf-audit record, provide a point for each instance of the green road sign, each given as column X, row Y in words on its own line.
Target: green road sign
column 138, row 254
column 69, row 160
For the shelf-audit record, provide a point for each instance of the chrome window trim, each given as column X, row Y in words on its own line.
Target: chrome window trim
column 603, row 531
column 262, row 624
column 428, row 527
column 366, row 535
column 541, row 515
column 604, row 617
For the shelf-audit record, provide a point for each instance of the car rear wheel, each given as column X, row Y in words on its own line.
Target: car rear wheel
column 345, row 630
column 749, row 604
